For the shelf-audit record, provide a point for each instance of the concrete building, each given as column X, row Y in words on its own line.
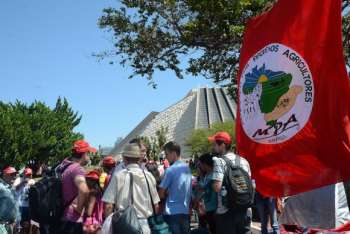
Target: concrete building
column 198, row 109
column 105, row 151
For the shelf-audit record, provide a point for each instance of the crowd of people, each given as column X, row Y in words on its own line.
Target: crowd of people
column 168, row 190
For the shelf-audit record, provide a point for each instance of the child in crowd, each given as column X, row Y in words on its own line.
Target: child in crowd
column 94, row 214
column 108, row 165
column 91, row 218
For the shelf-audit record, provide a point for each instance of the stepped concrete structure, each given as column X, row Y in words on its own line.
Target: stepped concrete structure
column 198, row 109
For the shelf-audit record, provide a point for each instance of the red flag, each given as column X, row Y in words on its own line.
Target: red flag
column 293, row 121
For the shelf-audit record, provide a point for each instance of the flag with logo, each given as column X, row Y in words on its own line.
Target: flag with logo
column 293, row 120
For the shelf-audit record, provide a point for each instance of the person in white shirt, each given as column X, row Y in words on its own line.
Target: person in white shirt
column 22, row 196
column 143, row 156
column 117, row 194
column 237, row 221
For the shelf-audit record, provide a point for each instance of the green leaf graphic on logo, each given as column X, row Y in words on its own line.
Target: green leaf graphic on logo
column 274, row 86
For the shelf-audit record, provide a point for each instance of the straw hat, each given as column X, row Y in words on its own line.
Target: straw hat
column 132, row 151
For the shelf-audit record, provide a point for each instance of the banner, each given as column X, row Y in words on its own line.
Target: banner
column 293, row 120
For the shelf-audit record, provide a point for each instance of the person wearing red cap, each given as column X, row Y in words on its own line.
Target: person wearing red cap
column 8, row 205
column 28, row 172
column 238, row 221
column 93, row 216
column 22, row 196
column 9, row 213
column 74, row 186
column 9, row 175
column 108, row 165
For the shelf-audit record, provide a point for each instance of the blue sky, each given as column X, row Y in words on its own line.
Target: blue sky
column 46, row 49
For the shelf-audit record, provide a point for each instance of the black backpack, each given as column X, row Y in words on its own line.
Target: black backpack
column 46, row 199
column 239, row 186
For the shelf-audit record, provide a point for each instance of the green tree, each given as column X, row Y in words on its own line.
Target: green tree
column 151, row 35
column 198, row 139
column 35, row 134
column 95, row 158
column 161, row 138
column 155, row 144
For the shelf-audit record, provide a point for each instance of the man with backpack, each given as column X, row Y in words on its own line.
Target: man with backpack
column 74, row 186
column 232, row 182
column 50, row 199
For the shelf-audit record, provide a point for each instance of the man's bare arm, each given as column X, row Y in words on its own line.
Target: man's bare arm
column 162, row 193
column 83, row 193
column 217, row 186
column 108, row 209
column 90, row 206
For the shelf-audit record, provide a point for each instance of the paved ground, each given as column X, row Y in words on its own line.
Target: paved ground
column 255, row 227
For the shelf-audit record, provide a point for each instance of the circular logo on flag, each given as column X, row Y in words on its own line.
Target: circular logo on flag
column 276, row 94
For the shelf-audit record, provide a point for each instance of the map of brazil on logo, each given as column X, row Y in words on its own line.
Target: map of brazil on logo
column 276, row 94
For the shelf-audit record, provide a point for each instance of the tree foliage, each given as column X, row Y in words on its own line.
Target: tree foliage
column 155, row 144
column 346, row 31
column 34, row 134
column 198, row 139
column 152, row 35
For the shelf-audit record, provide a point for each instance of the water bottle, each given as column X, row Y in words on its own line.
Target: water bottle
column 253, row 183
column 223, row 195
column 223, row 191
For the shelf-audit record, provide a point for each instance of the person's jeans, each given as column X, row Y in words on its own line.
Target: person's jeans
column 234, row 221
column 178, row 224
column 267, row 208
column 24, row 213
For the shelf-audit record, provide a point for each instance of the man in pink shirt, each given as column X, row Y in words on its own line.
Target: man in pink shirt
column 74, row 186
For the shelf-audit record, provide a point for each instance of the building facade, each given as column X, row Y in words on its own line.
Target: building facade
column 198, row 109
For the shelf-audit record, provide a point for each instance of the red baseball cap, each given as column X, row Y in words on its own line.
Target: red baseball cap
column 9, row 170
column 221, row 136
column 109, row 161
column 28, row 172
column 94, row 175
column 81, row 146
